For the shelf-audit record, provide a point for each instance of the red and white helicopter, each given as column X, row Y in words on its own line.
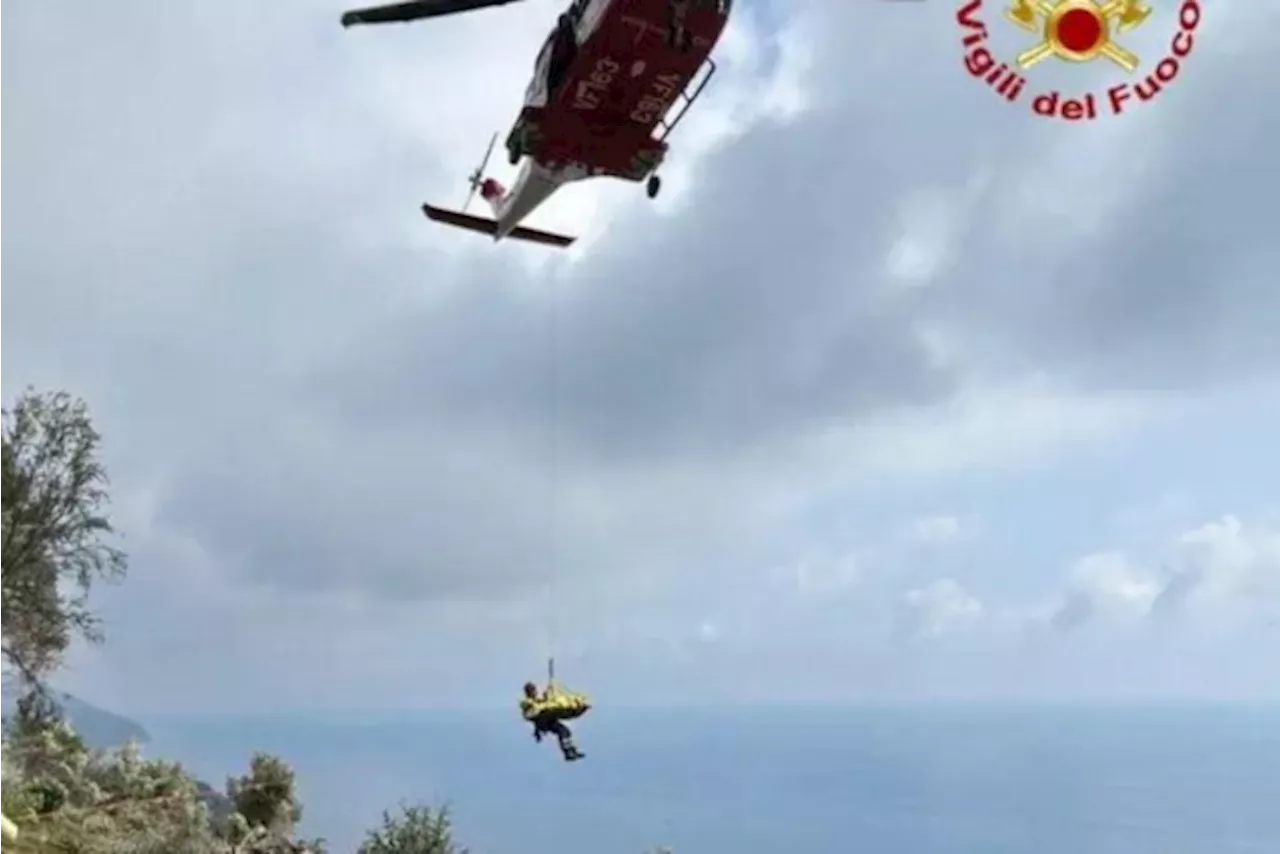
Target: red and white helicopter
column 601, row 103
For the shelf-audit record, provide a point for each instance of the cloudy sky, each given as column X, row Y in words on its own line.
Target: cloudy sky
column 899, row 391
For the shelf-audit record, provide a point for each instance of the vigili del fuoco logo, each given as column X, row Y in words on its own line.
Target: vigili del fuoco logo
column 1077, row 31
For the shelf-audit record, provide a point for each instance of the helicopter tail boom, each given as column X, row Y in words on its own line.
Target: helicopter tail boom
column 484, row 225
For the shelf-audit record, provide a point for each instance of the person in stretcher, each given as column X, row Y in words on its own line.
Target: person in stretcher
column 548, row 710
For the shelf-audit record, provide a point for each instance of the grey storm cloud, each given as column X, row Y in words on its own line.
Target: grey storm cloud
column 206, row 237
column 1179, row 585
column 1076, row 609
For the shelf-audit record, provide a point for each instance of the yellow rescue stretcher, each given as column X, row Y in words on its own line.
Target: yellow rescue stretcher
column 561, row 704
column 557, row 702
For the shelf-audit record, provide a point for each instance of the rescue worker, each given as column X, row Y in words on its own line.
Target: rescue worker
column 546, row 720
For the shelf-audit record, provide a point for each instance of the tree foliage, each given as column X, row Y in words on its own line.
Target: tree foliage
column 416, row 830
column 55, row 530
column 265, row 797
column 69, row 799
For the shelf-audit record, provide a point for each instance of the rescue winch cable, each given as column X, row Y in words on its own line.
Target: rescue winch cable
column 552, row 610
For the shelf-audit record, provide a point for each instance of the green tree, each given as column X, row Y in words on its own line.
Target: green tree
column 55, row 529
column 46, row 755
column 265, row 797
column 266, row 811
column 416, row 830
column 69, row 799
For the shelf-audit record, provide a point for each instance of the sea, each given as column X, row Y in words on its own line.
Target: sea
column 883, row 780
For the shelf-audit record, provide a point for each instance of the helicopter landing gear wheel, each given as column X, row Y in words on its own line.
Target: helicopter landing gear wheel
column 652, row 186
column 513, row 154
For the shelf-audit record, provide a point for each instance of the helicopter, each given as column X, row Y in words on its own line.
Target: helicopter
column 610, row 83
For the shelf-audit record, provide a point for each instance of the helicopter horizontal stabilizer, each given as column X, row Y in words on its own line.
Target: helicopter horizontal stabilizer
column 415, row 10
column 489, row 226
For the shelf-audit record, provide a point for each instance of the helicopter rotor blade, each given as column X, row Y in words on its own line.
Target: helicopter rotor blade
column 414, row 10
column 493, row 140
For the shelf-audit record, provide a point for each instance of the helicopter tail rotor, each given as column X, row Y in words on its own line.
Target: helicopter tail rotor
column 477, row 177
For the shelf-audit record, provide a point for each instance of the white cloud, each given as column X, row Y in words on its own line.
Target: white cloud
column 1225, row 571
column 986, row 427
column 1221, row 575
column 929, row 223
column 940, row 608
column 937, row 530
column 824, row 574
column 1104, row 586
